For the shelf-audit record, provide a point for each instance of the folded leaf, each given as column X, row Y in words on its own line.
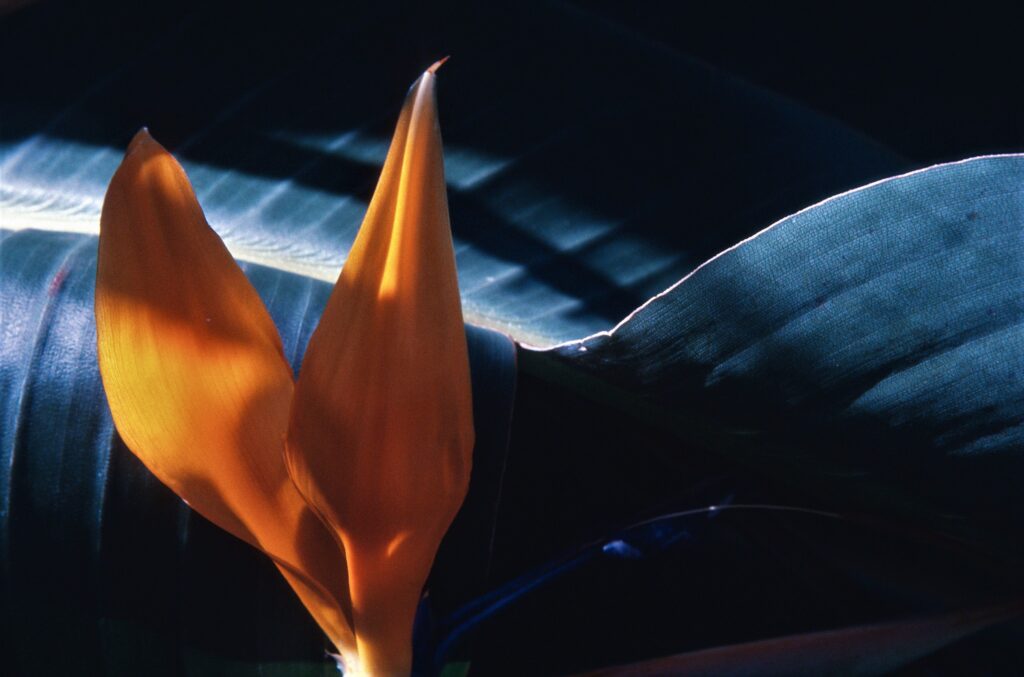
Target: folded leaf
column 196, row 378
column 381, row 433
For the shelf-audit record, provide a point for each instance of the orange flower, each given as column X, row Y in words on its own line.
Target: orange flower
column 347, row 479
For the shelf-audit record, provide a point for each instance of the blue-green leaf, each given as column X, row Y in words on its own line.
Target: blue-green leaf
column 873, row 342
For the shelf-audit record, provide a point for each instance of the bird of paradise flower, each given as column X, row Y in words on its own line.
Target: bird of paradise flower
column 346, row 478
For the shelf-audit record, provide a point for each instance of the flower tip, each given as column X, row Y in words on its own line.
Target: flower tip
column 141, row 138
column 437, row 64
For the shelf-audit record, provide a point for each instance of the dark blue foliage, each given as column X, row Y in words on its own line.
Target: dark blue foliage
column 872, row 344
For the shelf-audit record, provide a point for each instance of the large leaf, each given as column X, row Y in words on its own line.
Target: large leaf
column 871, row 344
column 103, row 560
column 587, row 170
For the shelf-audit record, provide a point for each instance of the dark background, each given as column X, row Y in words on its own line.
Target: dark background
column 932, row 83
column 935, row 83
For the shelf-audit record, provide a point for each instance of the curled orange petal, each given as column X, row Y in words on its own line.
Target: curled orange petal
column 381, row 431
column 196, row 378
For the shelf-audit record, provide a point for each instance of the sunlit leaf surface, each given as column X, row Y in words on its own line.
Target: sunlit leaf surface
column 581, row 182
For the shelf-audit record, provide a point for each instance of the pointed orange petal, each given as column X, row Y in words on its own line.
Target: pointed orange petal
column 196, row 378
column 381, row 434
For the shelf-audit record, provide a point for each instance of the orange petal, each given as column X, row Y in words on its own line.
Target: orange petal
column 196, row 377
column 381, row 433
